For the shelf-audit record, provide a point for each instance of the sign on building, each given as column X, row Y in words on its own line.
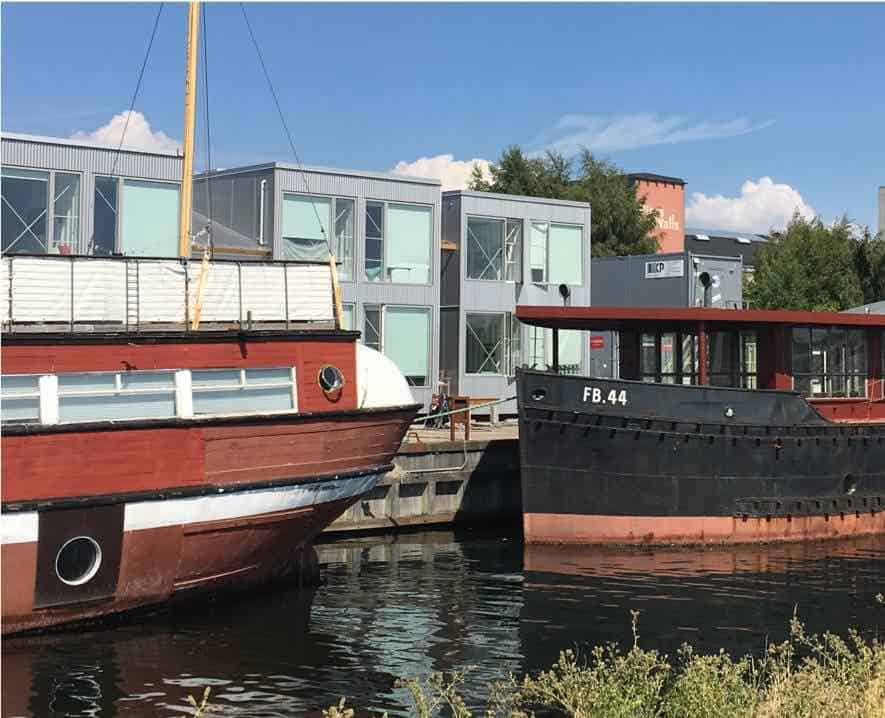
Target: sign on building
column 665, row 268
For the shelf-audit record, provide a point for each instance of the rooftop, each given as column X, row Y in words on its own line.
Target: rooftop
column 514, row 198
column 365, row 174
column 650, row 177
column 67, row 142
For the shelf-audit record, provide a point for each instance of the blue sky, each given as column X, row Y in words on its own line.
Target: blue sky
column 720, row 95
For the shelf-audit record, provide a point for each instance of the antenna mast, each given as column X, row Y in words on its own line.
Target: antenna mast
column 190, row 105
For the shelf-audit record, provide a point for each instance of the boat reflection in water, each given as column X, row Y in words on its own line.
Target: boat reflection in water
column 737, row 598
column 437, row 601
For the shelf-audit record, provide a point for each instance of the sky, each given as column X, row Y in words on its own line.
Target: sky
column 763, row 109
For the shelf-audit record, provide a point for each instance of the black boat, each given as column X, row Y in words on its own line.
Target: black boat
column 686, row 449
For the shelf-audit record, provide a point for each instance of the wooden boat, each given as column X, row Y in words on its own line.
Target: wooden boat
column 711, row 444
column 172, row 427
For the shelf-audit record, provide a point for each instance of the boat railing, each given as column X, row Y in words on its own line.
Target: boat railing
column 72, row 293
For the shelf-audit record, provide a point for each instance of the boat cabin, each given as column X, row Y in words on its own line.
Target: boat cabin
column 834, row 359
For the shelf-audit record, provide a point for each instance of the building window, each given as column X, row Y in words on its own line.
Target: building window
column 402, row 334
column 306, row 227
column 149, row 221
column 344, row 233
column 66, row 213
column 399, row 238
column 829, row 362
column 565, row 252
column 347, row 318
column 539, row 352
column 242, row 391
column 494, row 249
column 20, row 398
column 492, row 343
column 556, row 253
column 103, row 396
column 25, row 195
column 104, row 217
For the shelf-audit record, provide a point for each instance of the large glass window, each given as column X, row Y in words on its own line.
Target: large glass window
column 494, row 249
column 25, row 195
column 668, row 357
column 829, row 361
column 102, row 396
column 150, row 218
column 344, row 233
column 306, row 227
column 20, row 398
column 375, row 241
column 492, row 343
column 565, row 252
column 104, row 217
column 407, row 342
column 242, row 391
column 398, row 243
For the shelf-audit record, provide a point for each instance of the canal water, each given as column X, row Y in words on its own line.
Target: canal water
column 438, row 601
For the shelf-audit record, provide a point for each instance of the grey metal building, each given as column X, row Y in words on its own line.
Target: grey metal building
column 499, row 251
column 718, row 243
column 384, row 230
column 70, row 197
column 682, row 279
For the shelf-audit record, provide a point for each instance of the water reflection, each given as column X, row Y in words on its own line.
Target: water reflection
column 436, row 601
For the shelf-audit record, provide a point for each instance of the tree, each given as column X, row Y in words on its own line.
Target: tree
column 869, row 263
column 807, row 266
column 619, row 222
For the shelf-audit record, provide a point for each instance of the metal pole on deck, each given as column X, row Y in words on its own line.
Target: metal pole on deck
column 703, row 379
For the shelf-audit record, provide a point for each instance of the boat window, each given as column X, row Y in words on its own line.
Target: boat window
column 20, row 398
column 242, row 391
column 749, row 369
column 829, row 362
column 102, row 396
column 539, row 352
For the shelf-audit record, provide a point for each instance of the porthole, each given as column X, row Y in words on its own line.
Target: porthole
column 539, row 394
column 331, row 379
column 849, row 484
column 78, row 560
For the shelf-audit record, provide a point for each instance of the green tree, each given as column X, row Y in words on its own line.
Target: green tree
column 869, row 263
column 619, row 222
column 807, row 266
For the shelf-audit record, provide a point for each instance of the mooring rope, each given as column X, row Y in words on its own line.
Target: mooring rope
column 467, row 408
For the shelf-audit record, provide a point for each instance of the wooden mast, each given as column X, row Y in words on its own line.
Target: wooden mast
column 190, row 105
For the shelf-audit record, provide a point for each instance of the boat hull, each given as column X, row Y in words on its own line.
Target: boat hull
column 607, row 461
column 179, row 508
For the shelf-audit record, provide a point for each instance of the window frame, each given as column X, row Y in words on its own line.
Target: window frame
column 333, row 220
column 49, row 211
column 385, row 224
column 37, row 394
column 826, row 375
column 118, row 390
column 573, row 225
column 512, row 336
column 505, row 222
column 244, row 386
column 382, row 308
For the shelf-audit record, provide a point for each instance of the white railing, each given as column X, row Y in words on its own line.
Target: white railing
column 74, row 293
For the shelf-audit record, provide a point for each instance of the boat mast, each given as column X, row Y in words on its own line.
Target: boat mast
column 190, row 105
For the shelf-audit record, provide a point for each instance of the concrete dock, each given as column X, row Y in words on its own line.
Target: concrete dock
column 439, row 481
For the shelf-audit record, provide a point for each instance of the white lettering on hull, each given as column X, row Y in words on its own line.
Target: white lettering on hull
column 595, row 395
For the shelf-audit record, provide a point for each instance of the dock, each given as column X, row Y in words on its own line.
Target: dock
column 437, row 481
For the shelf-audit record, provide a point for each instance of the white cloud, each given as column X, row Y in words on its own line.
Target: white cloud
column 601, row 133
column 138, row 134
column 454, row 174
column 761, row 206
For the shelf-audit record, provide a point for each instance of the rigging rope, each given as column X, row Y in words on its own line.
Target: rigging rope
column 273, row 92
column 137, row 88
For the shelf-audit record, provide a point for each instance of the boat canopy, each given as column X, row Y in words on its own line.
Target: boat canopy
column 637, row 318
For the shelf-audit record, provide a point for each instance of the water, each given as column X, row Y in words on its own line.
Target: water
column 438, row 601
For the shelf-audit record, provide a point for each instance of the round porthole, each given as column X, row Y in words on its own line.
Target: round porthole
column 78, row 561
column 331, row 379
column 539, row 394
column 849, row 484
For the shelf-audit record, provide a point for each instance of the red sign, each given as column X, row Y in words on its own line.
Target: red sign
column 597, row 341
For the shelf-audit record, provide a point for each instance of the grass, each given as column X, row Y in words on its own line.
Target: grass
column 806, row 676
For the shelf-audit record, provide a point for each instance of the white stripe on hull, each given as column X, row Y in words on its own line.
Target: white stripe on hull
column 23, row 527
